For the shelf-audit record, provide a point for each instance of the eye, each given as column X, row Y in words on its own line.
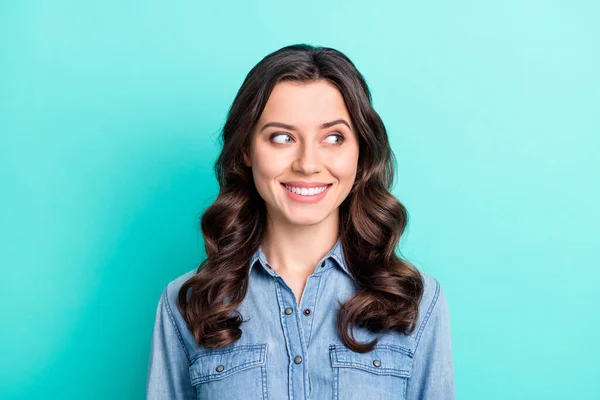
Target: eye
column 338, row 136
column 275, row 135
column 280, row 138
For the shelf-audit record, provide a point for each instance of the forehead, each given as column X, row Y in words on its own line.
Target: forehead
column 304, row 103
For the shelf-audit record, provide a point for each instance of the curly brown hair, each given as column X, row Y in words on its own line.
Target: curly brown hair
column 371, row 219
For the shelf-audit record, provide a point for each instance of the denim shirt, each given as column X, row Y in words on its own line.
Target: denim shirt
column 288, row 351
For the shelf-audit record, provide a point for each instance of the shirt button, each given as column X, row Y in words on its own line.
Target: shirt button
column 323, row 264
column 377, row 363
column 220, row 368
column 307, row 311
column 288, row 311
column 297, row 359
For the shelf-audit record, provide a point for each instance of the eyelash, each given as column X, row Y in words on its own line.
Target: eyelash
column 339, row 135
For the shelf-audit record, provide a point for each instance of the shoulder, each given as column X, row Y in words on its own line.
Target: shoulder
column 170, row 316
column 433, row 308
column 171, row 291
column 170, row 297
column 432, row 364
column 431, row 292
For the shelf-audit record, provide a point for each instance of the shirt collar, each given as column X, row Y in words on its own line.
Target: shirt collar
column 336, row 253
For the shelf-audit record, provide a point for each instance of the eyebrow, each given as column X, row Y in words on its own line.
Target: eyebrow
column 293, row 128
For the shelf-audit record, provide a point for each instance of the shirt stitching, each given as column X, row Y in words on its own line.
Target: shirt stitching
column 172, row 319
column 429, row 311
column 310, row 325
column 284, row 326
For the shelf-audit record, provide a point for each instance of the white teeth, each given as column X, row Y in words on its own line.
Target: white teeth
column 305, row 191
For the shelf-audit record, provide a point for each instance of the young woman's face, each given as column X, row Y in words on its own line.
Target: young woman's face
column 304, row 139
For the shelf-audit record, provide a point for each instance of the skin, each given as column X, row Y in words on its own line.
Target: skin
column 299, row 235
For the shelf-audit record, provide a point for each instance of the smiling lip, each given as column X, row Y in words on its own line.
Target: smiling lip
column 301, row 184
column 311, row 199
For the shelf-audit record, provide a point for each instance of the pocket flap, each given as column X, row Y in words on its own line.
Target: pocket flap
column 384, row 359
column 219, row 364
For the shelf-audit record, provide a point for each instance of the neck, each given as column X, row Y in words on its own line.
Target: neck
column 296, row 249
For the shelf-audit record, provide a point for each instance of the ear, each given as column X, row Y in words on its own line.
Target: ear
column 246, row 159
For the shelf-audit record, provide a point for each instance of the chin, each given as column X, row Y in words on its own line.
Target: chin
column 307, row 219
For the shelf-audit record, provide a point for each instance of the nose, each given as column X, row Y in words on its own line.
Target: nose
column 308, row 159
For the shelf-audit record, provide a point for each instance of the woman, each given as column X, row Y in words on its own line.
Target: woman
column 302, row 295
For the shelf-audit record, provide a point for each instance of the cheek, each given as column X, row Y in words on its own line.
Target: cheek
column 268, row 165
column 266, row 168
column 344, row 168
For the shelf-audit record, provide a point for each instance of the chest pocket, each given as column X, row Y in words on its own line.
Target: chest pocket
column 239, row 372
column 381, row 373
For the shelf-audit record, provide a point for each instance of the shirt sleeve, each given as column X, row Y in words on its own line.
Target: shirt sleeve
column 432, row 375
column 168, row 369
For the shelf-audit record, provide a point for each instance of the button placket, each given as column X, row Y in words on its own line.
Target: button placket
column 309, row 301
column 294, row 336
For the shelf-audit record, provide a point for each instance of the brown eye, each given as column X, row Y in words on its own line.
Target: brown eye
column 339, row 137
column 278, row 135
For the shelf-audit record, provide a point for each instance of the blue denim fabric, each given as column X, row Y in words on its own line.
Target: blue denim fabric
column 298, row 354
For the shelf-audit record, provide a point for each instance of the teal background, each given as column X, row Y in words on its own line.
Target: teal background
column 109, row 118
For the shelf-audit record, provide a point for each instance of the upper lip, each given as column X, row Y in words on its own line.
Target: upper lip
column 305, row 184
